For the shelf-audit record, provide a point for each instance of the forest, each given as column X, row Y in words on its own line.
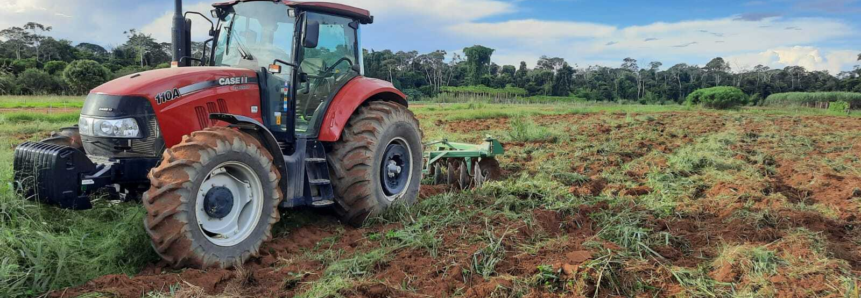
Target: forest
column 34, row 63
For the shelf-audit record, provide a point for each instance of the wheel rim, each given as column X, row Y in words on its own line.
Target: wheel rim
column 229, row 203
column 396, row 169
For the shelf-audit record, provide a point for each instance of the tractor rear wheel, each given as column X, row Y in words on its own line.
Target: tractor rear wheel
column 377, row 161
column 213, row 200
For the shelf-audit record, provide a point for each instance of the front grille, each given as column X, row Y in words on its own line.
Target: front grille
column 148, row 146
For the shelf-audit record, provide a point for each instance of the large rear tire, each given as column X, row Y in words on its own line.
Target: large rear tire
column 213, row 200
column 377, row 161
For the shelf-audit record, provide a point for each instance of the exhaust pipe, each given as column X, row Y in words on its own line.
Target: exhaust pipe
column 178, row 35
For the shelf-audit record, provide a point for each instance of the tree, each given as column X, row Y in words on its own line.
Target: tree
column 89, row 51
column 520, row 77
column 62, row 50
column 630, row 64
column 34, row 81
column 20, row 65
column 8, row 85
column 553, row 64
column 84, row 75
column 477, row 60
column 35, row 37
column 55, row 67
column 509, row 70
column 433, row 65
column 146, row 49
column 717, row 67
column 17, row 37
column 562, row 80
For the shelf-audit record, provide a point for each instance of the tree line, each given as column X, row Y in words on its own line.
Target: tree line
column 426, row 75
column 32, row 62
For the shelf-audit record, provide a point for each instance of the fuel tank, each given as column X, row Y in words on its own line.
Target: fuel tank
column 170, row 103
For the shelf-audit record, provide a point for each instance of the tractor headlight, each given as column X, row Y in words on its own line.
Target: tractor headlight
column 114, row 128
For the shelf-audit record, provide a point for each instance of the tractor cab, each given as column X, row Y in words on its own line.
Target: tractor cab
column 304, row 54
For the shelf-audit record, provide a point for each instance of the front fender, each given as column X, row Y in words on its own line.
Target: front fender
column 351, row 96
column 261, row 133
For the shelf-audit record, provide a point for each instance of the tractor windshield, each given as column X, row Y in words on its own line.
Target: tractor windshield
column 253, row 34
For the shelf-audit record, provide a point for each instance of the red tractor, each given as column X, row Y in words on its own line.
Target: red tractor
column 276, row 115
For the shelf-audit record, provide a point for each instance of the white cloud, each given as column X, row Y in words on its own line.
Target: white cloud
column 811, row 58
column 693, row 41
column 160, row 28
column 533, row 29
column 22, row 6
column 440, row 10
column 387, row 11
column 94, row 21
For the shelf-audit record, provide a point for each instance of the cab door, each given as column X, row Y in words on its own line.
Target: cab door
column 324, row 69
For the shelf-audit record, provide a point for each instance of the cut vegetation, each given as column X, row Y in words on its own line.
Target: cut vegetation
column 596, row 201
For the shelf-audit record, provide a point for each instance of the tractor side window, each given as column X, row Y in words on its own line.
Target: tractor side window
column 328, row 66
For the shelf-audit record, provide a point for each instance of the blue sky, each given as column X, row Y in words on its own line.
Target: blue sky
column 816, row 34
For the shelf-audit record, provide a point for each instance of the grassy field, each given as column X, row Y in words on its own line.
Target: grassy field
column 802, row 98
column 41, row 102
column 597, row 200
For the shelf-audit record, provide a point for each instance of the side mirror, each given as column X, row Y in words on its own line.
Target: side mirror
column 312, row 34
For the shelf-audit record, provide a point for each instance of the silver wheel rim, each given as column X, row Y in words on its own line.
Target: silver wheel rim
column 396, row 196
column 247, row 206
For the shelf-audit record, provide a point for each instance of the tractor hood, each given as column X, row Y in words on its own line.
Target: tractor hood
column 169, row 103
column 165, row 85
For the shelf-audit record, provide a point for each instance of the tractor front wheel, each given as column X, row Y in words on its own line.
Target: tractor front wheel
column 377, row 162
column 213, row 200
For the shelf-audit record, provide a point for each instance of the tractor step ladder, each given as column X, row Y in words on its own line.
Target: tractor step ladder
column 317, row 172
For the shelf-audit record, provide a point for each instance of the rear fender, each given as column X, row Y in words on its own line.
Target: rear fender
column 349, row 98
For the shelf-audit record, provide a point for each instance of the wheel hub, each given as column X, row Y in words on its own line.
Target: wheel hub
column 395, row 169
column 218, row 202
column 229, row 203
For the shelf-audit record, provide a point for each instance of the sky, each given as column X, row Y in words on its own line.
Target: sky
column 815, row 34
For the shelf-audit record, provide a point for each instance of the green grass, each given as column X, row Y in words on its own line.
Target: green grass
column 21, row 102
column 44, row 248
column 525, row 130
column 798, row 98
column 31, row 117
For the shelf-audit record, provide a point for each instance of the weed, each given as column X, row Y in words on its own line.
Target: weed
column 484, row 261
column 341, row 274
column 548, row 278
column 525, row 130
column 625, row 229
column 696, row 282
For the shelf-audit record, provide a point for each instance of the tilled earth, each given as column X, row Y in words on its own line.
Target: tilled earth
column 607, row 204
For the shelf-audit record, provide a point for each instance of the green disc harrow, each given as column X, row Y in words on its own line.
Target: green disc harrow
column 462, row 165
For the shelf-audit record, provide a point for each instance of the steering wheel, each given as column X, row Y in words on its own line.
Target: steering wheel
column 329, row 70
